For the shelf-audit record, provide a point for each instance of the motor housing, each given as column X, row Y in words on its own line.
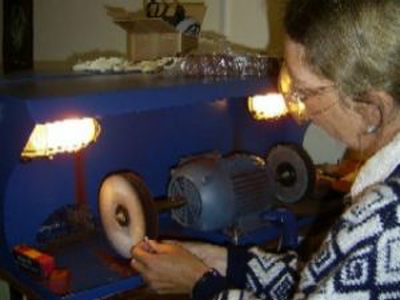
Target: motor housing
column 219, row 191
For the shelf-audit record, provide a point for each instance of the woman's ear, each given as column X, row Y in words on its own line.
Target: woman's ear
column 376, row 109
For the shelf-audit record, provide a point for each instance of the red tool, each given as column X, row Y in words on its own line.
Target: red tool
column 34, row 261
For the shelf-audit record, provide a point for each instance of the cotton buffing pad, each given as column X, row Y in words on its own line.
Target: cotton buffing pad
column 127, row 211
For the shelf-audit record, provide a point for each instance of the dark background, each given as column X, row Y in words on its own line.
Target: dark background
column 17, row 35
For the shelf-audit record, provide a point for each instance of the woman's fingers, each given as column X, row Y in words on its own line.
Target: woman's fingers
column 167, row 268
column 160, row 247
column 140, row 253
column 138, row 266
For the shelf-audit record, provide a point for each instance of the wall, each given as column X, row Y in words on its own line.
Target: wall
column 246, row 23
column 257, row 24
column 65, row 28
column 275, row 13
column 321, row 147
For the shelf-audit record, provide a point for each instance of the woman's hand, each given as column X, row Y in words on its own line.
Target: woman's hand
column 167, row 268
column 212, row 255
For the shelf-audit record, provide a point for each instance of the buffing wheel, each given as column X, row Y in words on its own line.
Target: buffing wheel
column 127, row 211
column 292, row 172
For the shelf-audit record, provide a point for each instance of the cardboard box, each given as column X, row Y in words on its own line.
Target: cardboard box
column 152, row 38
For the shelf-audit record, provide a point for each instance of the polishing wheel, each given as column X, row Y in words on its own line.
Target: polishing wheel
column 292, row 172
column 127, row 211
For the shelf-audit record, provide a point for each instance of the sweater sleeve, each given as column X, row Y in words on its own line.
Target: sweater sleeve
column 254, row 274
column 267, row 275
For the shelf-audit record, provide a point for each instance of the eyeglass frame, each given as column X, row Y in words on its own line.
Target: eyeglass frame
column 295, row 99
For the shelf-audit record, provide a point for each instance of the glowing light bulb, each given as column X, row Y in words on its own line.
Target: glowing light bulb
column 267, row 107
column 63, row 136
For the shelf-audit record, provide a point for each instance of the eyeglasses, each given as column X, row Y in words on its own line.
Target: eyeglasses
column 296, row 98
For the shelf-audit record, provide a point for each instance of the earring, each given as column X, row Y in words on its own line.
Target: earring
column 371, row 129
column 374, row 128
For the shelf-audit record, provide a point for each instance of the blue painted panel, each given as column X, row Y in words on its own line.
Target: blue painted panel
column 60, row 99
column 15, row 126
column 257, row 137
column 35, row 190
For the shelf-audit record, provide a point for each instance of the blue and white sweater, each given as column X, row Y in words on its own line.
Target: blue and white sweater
column 360, row 258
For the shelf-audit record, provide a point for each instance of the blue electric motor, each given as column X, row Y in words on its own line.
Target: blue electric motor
column 219, row 191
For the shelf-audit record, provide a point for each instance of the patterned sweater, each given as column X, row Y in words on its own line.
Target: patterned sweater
column 360, row 258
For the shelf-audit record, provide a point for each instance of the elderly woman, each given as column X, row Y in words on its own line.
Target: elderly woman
column 343, row 58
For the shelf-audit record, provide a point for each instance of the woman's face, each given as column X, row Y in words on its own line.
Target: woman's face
column 322, row 101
